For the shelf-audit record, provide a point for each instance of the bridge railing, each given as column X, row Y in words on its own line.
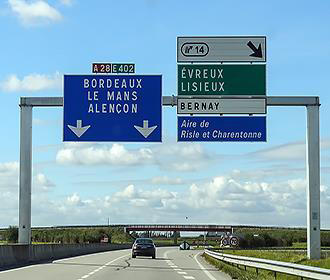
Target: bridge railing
column 181, row 226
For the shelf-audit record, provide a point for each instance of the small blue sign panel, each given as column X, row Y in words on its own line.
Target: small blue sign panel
column 114, row 108
column 222, row 129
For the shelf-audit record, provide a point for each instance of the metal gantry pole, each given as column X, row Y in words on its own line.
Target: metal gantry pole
column 312, row 161
column 25, row 175
column 313, row 182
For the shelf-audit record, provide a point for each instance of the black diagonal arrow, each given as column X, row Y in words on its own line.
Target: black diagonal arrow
column 257, row 52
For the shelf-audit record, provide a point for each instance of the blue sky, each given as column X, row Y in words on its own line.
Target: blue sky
column 224, row 183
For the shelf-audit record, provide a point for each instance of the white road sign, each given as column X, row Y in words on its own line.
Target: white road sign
column 221, row 49
column 206, row 105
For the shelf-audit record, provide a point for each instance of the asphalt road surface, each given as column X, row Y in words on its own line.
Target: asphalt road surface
column 170, row 264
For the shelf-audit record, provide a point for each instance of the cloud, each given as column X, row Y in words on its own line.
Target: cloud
column 41, row 182
column 9, row 168
column 9, row 191
column 74, row 200
column 67, row 2
column 97, row 154
column 222, row 199
column 9, row 176
column 271, row 172
column 181, row 157
column 174, row 157
column 34, row 12
column 32, row 83
column 165, row 180
column 289, row 151
column 43, row 122
column 142, row 198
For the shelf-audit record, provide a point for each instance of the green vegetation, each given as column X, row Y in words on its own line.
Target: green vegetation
column 277, row 238
column 250, row 273
column 264, row 240
column 251, row 237
column 299, row 245
column 11, row 234
column 80, row 235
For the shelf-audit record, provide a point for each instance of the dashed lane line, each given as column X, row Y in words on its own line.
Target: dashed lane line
column 101, row 267
column 178, row 270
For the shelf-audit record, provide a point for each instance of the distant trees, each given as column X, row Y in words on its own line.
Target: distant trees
column 80, row 235
column 11, row 234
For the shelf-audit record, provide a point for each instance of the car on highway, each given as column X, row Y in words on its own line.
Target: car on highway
column 144, row 247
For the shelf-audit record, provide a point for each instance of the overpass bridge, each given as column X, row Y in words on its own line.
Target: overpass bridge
column 171, row 227
column 179, row 228
column 200, row 228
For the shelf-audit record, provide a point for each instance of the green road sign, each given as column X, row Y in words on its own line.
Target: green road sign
column 218, row 79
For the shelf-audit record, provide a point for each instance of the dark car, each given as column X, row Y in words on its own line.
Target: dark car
column 144, row 247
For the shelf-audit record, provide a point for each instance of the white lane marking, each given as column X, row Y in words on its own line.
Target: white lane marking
column 173, row 266
column 208, row 274
column 85, row 256
column 20, row 268
column 103, row 266
column 189, row 277
column 177, row 269
column 182, row 272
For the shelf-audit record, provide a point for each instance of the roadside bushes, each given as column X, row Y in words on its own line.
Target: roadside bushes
column 325, row 239
column 278, row 238
column 80, row 235
column 11, row 234
column 263, row 240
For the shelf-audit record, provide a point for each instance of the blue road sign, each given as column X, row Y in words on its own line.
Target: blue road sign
column 222, row 129
column 118, row 108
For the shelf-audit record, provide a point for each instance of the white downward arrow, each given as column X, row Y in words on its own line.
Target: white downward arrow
column 79, row 130
column 145, row 130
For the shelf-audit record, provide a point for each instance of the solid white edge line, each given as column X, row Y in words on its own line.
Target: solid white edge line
column 208, row 274
column 21, row 268
column 87, row 255
column 36, row 265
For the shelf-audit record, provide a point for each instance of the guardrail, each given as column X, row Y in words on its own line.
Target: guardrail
column 299, row 270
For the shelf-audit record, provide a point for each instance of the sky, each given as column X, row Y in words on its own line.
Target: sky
column 169, row 182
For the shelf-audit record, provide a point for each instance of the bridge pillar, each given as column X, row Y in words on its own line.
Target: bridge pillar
column 176, row 234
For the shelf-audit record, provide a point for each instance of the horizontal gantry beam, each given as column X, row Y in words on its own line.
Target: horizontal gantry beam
column 173, row 100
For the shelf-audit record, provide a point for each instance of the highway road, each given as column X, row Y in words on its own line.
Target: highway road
column 170, row 263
